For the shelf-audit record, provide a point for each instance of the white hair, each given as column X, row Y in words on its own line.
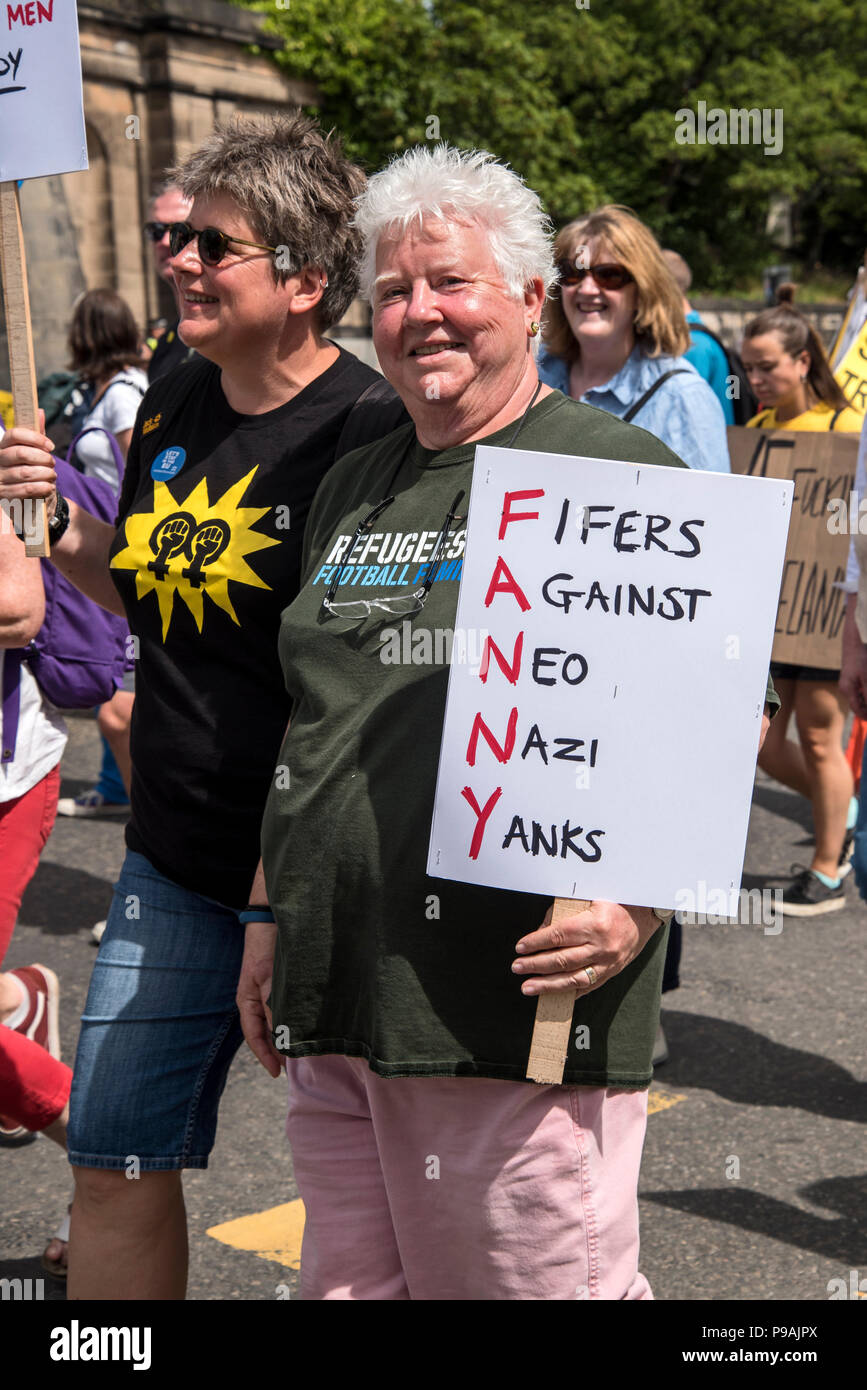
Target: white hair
column 463, row 186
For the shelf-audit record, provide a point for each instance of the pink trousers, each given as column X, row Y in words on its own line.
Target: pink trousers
column 464, row 1189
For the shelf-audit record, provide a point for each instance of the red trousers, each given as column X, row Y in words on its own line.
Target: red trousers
column 25, row 825
column 33, row 1087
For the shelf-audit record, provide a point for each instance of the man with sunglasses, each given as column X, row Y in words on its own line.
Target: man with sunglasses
column 225, row 458
column 168, row 205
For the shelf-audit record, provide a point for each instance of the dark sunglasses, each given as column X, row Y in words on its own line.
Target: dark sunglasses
column 607, row 277
column 155, row 231
column 213, row 244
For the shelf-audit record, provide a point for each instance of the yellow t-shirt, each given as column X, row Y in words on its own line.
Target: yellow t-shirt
column 819, row 417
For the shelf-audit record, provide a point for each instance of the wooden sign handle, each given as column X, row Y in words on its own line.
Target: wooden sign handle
column 16, row 303
column 553, row 1026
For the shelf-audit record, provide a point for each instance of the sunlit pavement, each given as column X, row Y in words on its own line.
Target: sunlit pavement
column 752, row 1184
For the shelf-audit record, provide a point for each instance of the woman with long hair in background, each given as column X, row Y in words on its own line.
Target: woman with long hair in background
column 789, row 372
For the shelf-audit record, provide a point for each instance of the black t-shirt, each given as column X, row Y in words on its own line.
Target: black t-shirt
column 207, row 556
column 169, row 353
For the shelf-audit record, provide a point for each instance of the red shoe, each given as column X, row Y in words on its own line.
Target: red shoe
column 40, row 1024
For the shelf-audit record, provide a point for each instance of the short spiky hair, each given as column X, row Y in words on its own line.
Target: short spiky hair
column 297, row 189
column 464, row 186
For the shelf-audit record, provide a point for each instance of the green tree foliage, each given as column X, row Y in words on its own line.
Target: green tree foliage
column 583, row 102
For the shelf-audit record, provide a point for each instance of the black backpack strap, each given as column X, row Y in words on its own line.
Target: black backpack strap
column 703, row 328
column 377, row 412
column 124, row 381
column 660, row 380
column 835, row 417
column 10, row 701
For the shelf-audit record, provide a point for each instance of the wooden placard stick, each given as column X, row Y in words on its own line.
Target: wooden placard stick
column 553, row 1025
column 16, row 302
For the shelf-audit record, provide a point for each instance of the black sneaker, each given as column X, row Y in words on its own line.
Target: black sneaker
column 808, row 896
column 845, row 865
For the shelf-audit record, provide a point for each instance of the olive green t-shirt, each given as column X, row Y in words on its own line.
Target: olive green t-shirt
column 375, row 959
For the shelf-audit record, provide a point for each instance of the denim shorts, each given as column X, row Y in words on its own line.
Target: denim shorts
column 159, row 1029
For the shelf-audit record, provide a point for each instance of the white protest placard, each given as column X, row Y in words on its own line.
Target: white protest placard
column 41, row 111
column 41, row 133
column 605, row 746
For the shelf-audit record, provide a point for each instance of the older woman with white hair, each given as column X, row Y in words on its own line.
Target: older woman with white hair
column 428, row 1166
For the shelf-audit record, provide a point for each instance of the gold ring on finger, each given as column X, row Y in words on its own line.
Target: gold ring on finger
column 591, row 974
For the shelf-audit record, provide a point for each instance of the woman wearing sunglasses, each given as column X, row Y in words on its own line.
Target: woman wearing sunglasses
column 225, row 458
column 396, row 1002
column 614, row 335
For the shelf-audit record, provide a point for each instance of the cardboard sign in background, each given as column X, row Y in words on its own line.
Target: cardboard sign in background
column 849, row 354
column 41, row 112
column 821, row 464
column 609, row 750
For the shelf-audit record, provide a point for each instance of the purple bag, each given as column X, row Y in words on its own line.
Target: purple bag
column 79, row 655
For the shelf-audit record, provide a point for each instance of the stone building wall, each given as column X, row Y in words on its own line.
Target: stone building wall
column 156, row 75
column 728, row 317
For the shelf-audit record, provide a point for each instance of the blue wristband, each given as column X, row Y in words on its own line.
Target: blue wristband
column 256, row 914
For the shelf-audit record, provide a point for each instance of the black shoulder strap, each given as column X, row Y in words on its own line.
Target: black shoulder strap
column 703, row 328
column 835, row 417
column 125, row 381
column 634, row 409
column 377, row 412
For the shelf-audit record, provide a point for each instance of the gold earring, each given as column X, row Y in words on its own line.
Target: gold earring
column 534, row 328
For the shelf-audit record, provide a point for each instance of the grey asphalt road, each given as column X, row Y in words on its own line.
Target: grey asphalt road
column 753, row 1183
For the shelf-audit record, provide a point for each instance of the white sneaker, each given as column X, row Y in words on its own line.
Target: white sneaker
column 91, row 803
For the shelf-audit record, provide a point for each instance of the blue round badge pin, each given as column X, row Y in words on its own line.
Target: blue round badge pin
column 168, row 463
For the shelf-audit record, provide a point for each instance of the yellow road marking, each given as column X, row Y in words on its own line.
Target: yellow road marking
column 662, row 1099
column 274, row 1234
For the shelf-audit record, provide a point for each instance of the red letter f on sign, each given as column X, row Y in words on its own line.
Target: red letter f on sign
column 508, row 515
